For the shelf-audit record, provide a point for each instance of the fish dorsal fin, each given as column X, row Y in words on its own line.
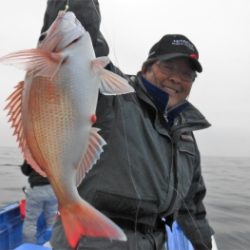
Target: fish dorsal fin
column 111, row 83
column 94, row 150
column 35, row 61
column 14, row 108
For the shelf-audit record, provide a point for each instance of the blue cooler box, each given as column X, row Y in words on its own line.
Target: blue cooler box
column 11, row 225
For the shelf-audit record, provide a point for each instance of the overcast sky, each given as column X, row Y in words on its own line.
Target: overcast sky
column 218, row 28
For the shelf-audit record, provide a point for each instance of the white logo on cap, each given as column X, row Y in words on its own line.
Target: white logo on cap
column 183, row 43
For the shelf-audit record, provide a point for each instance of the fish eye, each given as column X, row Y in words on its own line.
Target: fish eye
column 42, row 36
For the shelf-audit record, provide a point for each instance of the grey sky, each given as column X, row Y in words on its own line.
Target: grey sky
column 219, row 29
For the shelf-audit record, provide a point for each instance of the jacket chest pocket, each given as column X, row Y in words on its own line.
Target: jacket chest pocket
column 184, row 163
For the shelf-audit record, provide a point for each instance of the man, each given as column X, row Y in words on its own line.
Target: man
column 40, row 198
column 150, row 169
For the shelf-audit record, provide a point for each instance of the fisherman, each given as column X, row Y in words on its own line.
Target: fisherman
column 40, row 198
column 150, row 171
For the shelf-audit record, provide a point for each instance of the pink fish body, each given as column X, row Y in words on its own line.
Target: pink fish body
column 52, row 112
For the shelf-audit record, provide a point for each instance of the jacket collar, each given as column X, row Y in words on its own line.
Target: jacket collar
column 183, row 116
column 160, row 98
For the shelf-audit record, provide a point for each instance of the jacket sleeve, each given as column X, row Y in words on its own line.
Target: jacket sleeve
column 87, row 12
column 192, row 214
column 26, row 168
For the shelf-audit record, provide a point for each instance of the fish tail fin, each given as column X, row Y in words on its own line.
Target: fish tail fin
column 81, row 219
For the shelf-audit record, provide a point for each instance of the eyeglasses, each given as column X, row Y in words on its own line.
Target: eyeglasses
column 170, row 68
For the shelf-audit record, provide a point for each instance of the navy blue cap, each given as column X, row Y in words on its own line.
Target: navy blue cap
column 175, row 46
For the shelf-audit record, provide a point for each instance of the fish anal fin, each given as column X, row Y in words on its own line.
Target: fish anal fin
column 93, row 152
column 81, row 219
column 35, row 61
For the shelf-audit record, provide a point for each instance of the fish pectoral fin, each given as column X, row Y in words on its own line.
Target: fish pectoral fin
column 99, row 63
column 94, row 150
column 111, row 83
column 35, row 61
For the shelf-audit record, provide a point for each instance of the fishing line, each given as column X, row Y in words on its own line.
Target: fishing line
column 105, row 30
column 66, row 6
column 123, row 123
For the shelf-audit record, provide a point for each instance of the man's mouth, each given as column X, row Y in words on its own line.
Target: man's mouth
column 170, row 91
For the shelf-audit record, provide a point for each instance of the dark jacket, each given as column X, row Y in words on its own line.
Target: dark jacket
column 34, row 179
column 147, row 170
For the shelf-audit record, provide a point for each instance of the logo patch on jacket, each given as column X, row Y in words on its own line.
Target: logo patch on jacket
column 187, row 138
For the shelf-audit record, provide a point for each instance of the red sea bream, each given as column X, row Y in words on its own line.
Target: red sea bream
column 52, row 112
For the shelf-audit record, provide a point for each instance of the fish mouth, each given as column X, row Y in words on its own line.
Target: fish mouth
column 74, row 41
column 68, row 42
column 70, row 32
column 57, row 39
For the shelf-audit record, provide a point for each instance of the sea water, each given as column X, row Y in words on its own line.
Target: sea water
column 227, row 201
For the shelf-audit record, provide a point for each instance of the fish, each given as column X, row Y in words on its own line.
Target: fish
column 52, row 112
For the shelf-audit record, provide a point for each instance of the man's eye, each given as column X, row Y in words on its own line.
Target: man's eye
column 168, row 67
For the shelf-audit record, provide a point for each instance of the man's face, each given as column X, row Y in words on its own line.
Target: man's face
column 175, row 77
